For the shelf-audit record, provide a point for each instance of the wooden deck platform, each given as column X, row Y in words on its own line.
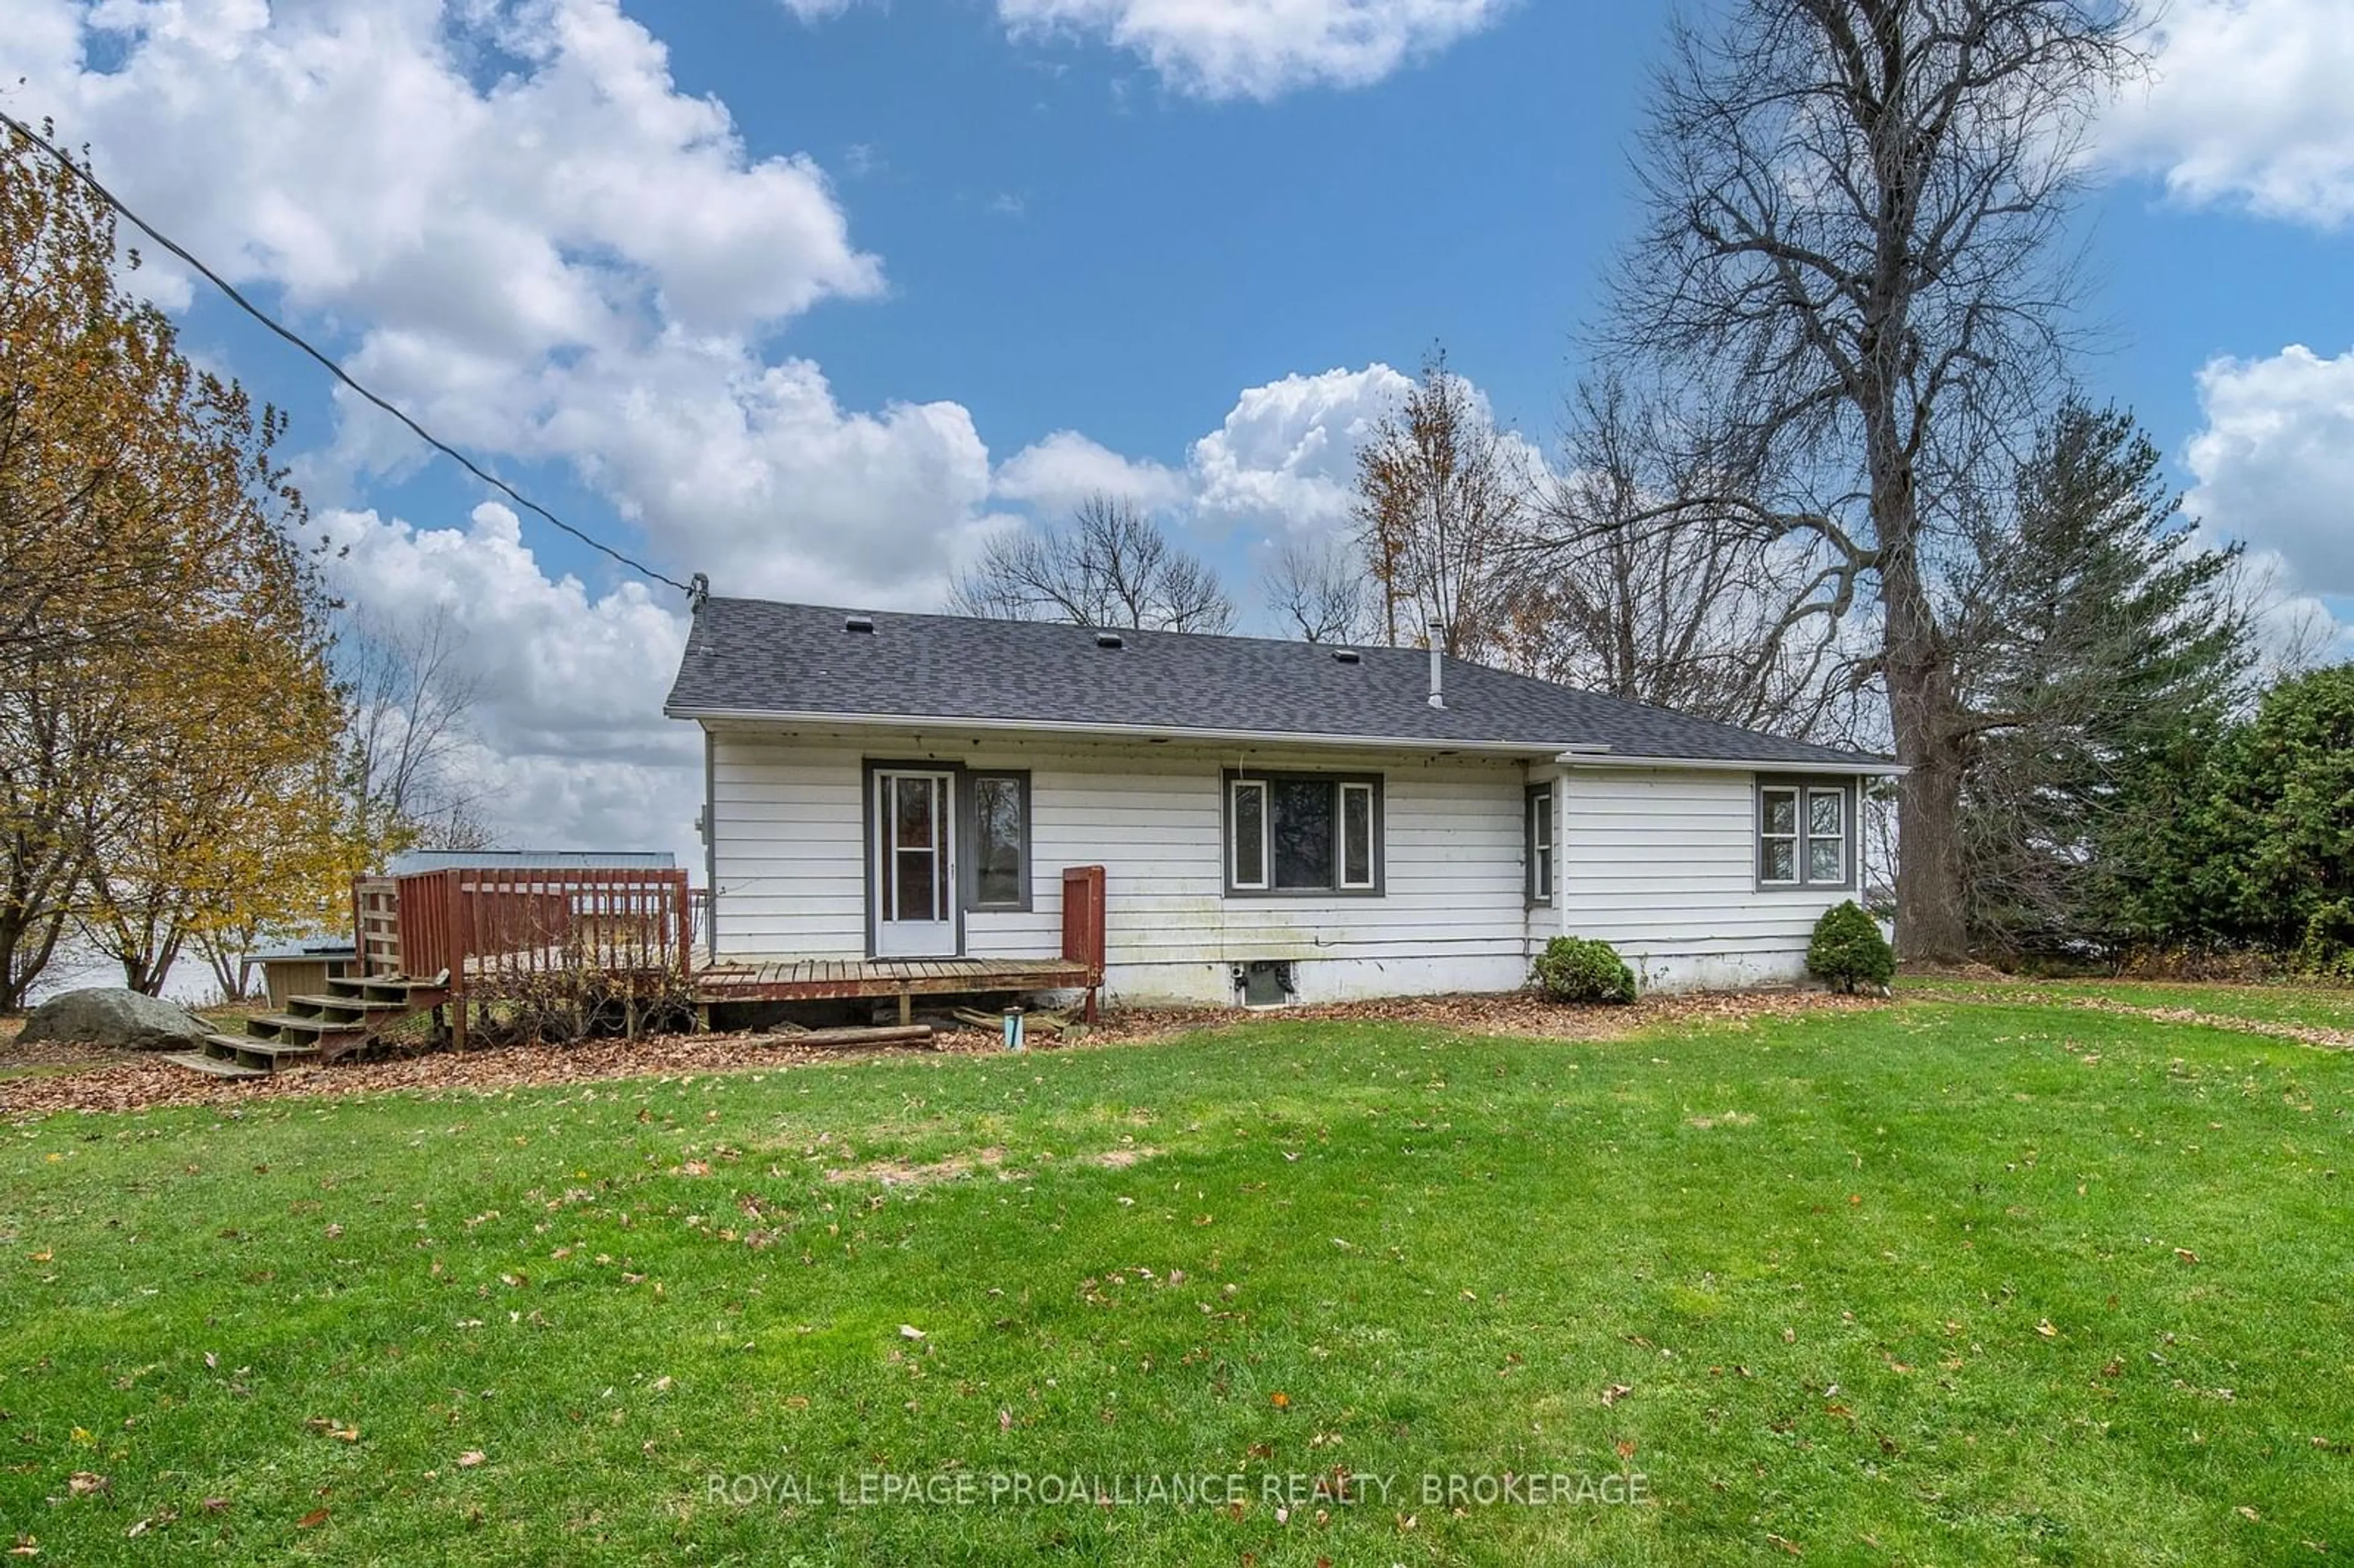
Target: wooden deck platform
column 787, row 979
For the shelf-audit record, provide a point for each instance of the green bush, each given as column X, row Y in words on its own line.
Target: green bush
column 2327, row 951
column 1848, row 949
column 1572, row 968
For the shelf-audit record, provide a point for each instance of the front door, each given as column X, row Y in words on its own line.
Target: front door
column 915, row 864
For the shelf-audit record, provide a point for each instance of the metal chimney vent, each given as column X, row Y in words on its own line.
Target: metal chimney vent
column 1347, row 656
column 1110, row 640
column 858, row 624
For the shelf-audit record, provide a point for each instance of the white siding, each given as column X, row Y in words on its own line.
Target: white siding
column 788, row 814
column 1661, row 864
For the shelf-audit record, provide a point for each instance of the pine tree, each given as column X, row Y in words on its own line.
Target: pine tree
column 2104, row 653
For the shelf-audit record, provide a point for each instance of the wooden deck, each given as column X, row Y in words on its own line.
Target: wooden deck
column 787, row 979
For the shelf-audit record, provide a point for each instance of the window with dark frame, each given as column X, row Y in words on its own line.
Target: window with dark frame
column 1540, row 843
column 1803, row 835
column 1303, row 833
column 1000, row 850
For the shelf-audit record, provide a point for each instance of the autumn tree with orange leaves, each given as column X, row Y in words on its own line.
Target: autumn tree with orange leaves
column 169, row 725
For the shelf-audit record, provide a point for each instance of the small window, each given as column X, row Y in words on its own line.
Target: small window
column 1248, row 821
column 1356, row 836
column 1303, row 833
column 1803, row 835
column 1000, row 841
column 1540, row 844
column 1778, row 836
column 1826, row 835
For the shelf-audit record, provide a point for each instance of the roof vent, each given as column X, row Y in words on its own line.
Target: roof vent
column 1347, row 656
column 1110, row 640
column 858, row 624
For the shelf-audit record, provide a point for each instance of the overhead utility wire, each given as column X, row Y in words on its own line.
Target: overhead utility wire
column 337, row 371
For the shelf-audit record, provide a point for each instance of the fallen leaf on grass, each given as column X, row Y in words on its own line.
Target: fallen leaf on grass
column 2185, row 1254
column 1281, row 1401
column 39, row 1256
column 2046, row 1329
column 909, row 1332
column 335, row 1429
column 470, row 1459
column 1614, row 1394
column 311, row 1520
column 81, row 1483
column 2245, row 1511
column 1792, row 1547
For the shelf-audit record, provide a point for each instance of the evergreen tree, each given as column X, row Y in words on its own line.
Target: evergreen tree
column 2103, row 653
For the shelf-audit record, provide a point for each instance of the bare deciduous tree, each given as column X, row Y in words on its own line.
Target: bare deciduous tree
column 1439, row 496
column 410, row 700
column 1110, row 564
column 1857, row 237
column 1320, row 590
column 1677, row 602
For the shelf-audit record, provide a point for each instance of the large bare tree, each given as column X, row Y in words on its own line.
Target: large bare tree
column 1643, row 574
column 1858, row 241
column 1440, row 497
column 1110, row 564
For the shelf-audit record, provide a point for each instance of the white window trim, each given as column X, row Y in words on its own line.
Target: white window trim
column 1265, row 834
column 1340, row 843
column 1337, row 886
column 1795, row 837
column 1540, row 827
column 1837, row 838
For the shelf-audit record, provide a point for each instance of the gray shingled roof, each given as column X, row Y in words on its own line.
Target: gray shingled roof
column 747, row 657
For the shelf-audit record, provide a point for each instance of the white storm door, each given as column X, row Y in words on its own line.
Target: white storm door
column 915, row 865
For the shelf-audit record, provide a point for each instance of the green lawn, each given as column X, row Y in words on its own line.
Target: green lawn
column 2319, row 1008
column 1943, row 1282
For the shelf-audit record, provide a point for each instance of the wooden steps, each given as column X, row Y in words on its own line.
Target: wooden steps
column 212, row 1066
column 350, row 1020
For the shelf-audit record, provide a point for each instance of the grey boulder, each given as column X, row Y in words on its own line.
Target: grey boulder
column 109, row 1015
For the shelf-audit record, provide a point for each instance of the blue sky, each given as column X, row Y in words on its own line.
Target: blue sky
column 814, row 294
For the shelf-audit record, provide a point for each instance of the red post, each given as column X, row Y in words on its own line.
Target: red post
column 1083, row 925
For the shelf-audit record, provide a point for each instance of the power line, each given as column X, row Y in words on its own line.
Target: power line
column 334, row 369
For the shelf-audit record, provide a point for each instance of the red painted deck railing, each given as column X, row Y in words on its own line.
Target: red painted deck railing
column 485, row 926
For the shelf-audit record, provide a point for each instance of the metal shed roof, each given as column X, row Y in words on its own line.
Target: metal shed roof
column 408, row 863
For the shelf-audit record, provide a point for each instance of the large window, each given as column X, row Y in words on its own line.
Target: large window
column 1805, row 834
column 1540, row 843
column 998, row 837
column 1303, row 833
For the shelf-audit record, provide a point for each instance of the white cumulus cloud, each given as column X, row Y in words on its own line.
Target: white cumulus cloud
column 1260, row 48
column 2274, row 469
column 1285, row 458
column 568, row 747
column 2275, row 461
column 2247, row 103
column 1054, row 475
column 510, row 218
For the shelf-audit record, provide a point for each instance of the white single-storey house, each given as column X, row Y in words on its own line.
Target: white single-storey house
column 1275, row 820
